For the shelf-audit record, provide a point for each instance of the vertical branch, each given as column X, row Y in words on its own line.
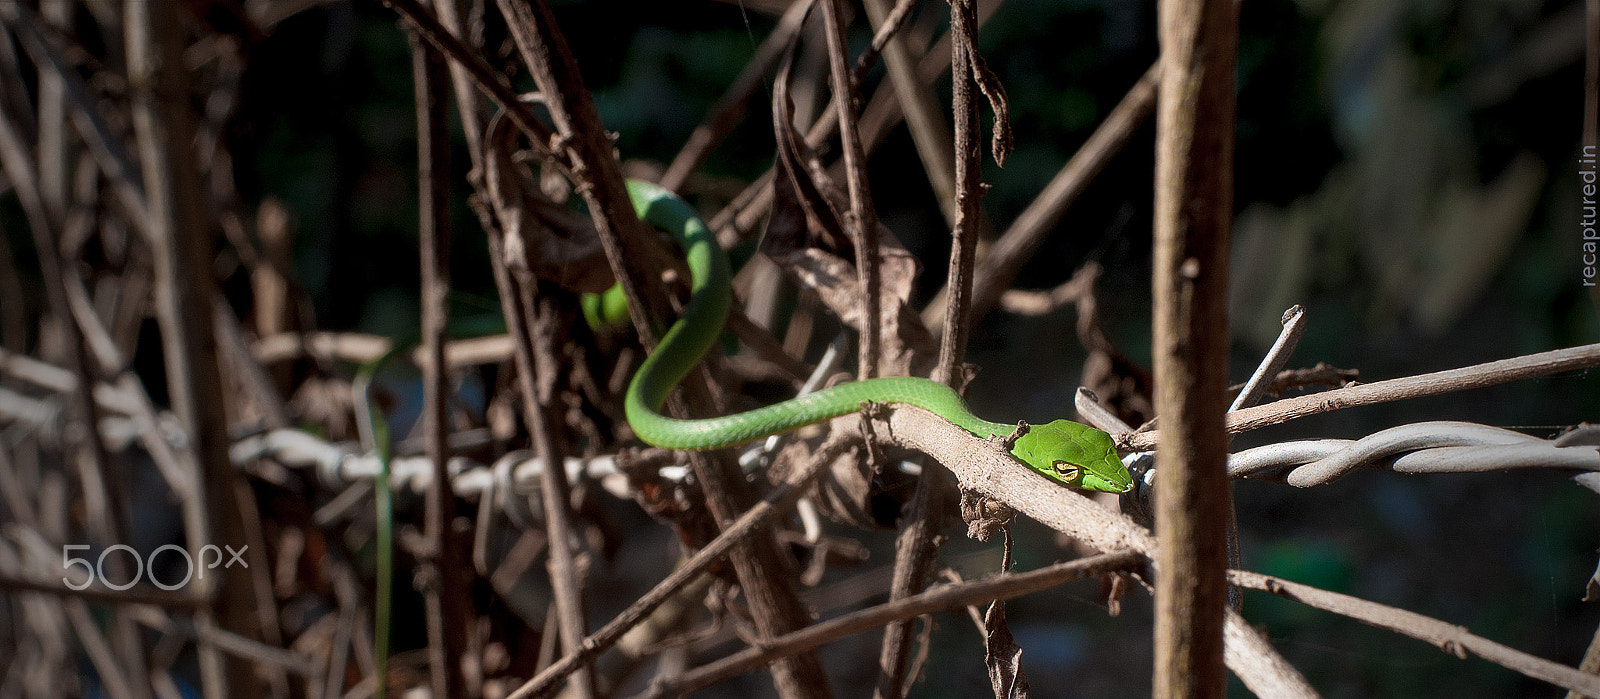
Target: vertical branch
column 553, row 481
column 599, row 180
column 44, row 204
column 1030, row 228
column 53, row 159
column 915, row 547
column 583, row 144
column 862, row 217
column 964, row 243
column 181, row 246
column 446, row 597
column 468, row 103
column 1193, row 212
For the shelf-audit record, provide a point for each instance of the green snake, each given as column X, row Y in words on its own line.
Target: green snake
column 1063, row 451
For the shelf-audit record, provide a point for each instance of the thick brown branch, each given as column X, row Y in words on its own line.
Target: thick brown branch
column 1193, row 215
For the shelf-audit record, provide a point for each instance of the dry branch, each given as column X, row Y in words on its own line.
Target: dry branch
column 446, row 595
column 862, row 220
column 986, row 468
column 1419, row 386
column 1193, row 218
column 180, row 234
column 916, row 546
column 939, row 599
column 753, row 522
column 1450, row 638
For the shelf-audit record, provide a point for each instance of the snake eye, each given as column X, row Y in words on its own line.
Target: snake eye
column 1066, row 470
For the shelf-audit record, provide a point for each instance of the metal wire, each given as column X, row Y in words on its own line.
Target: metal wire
column 1424, row 447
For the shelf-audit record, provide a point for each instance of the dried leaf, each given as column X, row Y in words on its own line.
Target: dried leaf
column 806, row 237
column 908, row 347
column 550, row 241
column 963, row 18
column 844, row 492
column 1001, row 654
column 984, row 516
column 798, row 188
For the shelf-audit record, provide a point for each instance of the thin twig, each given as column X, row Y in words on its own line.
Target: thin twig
column 1294, row 326
column 1028, row 231
column 468, row 103
column 929, row 131
column 915, row 547
column 420, row 20
column 752, row 522
column 1450, row 638
column 935, row 600
column 446, row 597
column 1092, row 412
column 1419, row 386
column 568, row 600
column 730, row 108
column 180, row 237
column 862, row 221
column 53, row 116
column 968, row 192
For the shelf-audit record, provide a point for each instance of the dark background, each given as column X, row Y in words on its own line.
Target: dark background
column 1407, row 172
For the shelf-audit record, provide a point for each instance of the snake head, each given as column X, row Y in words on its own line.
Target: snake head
column 1074, row 455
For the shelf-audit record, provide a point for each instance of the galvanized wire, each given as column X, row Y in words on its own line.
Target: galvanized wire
column 1424, row 447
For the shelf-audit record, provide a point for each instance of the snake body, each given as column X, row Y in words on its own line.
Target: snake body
column 1063, row 451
